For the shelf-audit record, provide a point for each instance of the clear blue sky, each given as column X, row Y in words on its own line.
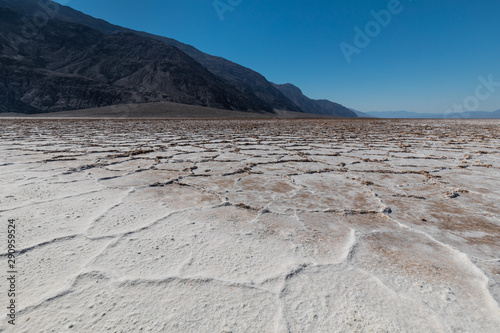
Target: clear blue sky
column 427, row 59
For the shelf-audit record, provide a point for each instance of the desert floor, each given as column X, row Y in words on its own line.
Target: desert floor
column 252, row 225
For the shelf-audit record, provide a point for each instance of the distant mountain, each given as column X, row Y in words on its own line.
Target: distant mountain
column 308, row 105
column 68, row 66
column 415, row 115
column 361, row 114
column 248, row 82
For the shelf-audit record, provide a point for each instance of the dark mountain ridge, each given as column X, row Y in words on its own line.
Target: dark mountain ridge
column 123, row 77
column 68, row 66
column 247, row 81
column 308, row 105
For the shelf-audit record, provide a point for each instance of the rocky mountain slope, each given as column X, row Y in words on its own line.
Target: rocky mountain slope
column 247, row 81
column 69, row 66
column 217, row 82
column 308, row 105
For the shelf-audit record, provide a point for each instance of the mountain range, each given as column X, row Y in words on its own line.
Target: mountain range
column 321, row 106
column 416, row 115
column 75, row 61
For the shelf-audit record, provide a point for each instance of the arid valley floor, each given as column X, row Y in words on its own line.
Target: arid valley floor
column 252, row 225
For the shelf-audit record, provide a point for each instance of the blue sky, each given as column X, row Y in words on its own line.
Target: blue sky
column 427, row 58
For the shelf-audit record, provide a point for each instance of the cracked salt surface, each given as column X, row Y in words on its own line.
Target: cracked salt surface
column 254, row 226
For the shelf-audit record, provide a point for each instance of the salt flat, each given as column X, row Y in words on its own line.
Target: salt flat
column 253, row 225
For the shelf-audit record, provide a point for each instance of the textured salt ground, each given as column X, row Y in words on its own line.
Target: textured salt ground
column 253, row 226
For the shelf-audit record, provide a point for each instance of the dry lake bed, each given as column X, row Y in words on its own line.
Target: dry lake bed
column 251, row 225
